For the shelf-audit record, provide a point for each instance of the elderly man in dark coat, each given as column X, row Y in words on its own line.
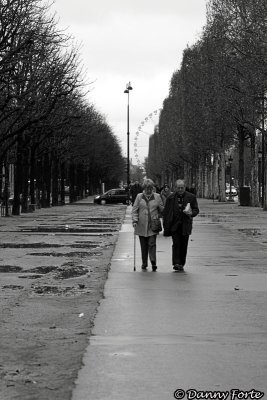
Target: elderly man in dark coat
column 180, row 209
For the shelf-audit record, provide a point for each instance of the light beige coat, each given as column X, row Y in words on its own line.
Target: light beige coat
column 140, row 213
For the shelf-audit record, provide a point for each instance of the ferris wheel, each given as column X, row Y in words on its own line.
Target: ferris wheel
column 146, row 127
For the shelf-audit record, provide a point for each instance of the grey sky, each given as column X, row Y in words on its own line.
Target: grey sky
column 141, row 41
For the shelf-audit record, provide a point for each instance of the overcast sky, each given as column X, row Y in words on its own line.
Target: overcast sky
column 140, row 41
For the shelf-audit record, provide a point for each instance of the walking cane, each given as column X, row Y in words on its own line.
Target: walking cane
column 134, row 250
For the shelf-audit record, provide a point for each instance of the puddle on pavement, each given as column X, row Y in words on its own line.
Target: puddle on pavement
column 65, row 271
column 106, row 226
column 13, row 287
column 84, row 246
column 99, row 219
column 66, row 233
column 67, row 229
column 10, row 268
column 27, row 245
column 46, row 269
column 48, row 245
column 53, row 290
column 30, row 276
column 69, row 270
column 250, row 231
column 70, row 254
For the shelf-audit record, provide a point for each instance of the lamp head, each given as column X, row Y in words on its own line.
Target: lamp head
column 129, row 86
column 126, row 91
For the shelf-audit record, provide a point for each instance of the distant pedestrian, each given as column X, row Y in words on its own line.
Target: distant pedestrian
column 193, row 189
column 146, row 214
column 134, row 190
column 156, row 189
column 165, row 192
column 180, row 209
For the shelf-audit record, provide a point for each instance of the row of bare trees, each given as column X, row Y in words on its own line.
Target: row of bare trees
column 49, row 133
column 217, row 104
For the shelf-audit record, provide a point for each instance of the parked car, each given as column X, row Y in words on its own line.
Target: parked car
column 112, row 196
column 233, row 192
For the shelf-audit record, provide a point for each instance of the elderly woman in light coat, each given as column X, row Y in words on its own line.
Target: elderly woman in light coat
column 148, row 205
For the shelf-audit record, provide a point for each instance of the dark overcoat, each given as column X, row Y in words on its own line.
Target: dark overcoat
column 187, row 221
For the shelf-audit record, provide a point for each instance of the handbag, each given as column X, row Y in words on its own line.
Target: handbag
column 155, row 222
column 156, row 225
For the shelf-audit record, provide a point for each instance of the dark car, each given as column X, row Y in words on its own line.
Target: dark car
column 112, row 196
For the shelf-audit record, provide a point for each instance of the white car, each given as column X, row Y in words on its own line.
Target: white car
column 233, row 192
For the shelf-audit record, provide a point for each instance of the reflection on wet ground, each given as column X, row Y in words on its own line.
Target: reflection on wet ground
column 58, row 231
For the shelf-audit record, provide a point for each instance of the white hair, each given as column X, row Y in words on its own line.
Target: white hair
column 180, row 182
column 148, row 183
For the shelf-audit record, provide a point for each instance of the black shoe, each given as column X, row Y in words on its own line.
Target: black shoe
column 178, row 267
column 144, row 267
column 154, row 268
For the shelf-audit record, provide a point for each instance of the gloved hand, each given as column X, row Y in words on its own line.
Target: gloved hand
column 134, row 224
column 188, row 213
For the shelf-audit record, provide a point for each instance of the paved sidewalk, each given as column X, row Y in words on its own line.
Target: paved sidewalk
column 206, row 328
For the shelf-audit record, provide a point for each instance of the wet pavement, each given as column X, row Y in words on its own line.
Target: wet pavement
column 160, row 333
column 53, row 266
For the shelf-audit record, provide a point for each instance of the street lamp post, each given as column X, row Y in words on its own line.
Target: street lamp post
column 127, row 90
column 230, row 159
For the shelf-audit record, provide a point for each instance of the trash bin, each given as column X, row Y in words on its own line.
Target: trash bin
column 244, row 196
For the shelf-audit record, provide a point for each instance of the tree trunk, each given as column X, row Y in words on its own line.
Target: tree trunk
column 254, row 175
column 46, row 192
column 265, row 186
column 215, row 187
column 221, row 177
column 17, row 182
column 209, row 181
column 200, row 181
column 25, row 183
column 39, row 182
column 6, row 188
column 72, row 183
column 62, row 183
column 32, row 178
column 241, row 147
column 55, row 177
